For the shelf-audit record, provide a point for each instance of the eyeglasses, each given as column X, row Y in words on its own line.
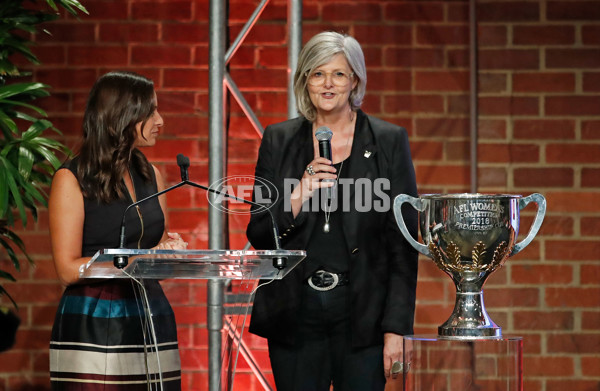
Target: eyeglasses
column 338, row 78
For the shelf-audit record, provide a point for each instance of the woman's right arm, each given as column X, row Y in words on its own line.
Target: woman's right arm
column 67, row 214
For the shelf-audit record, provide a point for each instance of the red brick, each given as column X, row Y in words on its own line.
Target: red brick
column 573, row 202
column 573, row 297
column 572, row 58
column 272, row 57
column 541, row 274
column 187, row 78
column 590, row 274
column 378, row 34
column 442, row 35
column 572, row 105
column 412, row 57
column 576, row 250
column 508, row 152
column 459, row 151
column 160, row 55
column 413, row 103
column 67, row 79
column 570, row 343
column 442, row 81
column 590, row 130
column 492, row 82
column 110, row 56
column 494, row 177
column 457, row 58
column 591, row 82
column 51, row 55
column 572, row 153
column 443, row 174
column 67, row 32
column 543, row 82
column 512, row 297
column 260, row 79
column 590, row 177
column 442, row 127
column 590, row 320
column 508, row 11
column 513, row 59
column 128, row 32
column 200, row 55
column 176, row 102
column 426, row 150
column 458, row 12
column 414, row 11
column 103, row 10
column 509, row 106
column 264, row 34
column 548, row 366
column 385, row 81
column 544, row 177
column 573, row 10
column 590, row 34
column 491, row 35
column 544, row 129
column 15, row 361
column 539, row 320
column 172, row 10
column 351, row 12
column 590, row 366
column 590, row 226
column 491, row 128
column 458, row 105
column 543, row 35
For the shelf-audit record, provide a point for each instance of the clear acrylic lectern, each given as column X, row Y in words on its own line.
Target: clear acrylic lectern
column 242, row 265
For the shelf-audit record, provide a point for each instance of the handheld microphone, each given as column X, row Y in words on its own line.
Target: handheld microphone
column 323, row 135
column 120, row 261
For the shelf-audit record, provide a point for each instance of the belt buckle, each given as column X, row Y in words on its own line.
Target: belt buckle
column 321, row 274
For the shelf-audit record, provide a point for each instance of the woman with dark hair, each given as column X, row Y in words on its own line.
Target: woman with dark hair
column 102, row 335
column 339, row 317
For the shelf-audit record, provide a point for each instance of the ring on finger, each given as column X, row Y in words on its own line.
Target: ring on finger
column 397, row 367
column 310, row 170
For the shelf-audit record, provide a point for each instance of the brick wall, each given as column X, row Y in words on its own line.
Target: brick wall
column 539, row 131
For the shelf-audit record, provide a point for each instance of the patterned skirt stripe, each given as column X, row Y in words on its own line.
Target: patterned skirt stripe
column 103, row 339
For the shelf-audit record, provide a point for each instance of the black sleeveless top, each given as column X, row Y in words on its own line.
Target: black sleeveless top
column 101, row 228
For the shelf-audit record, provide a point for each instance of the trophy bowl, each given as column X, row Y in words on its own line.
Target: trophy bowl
column 469, row 236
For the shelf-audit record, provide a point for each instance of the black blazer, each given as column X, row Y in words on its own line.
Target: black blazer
column 382, row 265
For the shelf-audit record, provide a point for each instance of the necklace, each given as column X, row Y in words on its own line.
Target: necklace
column 327, row 210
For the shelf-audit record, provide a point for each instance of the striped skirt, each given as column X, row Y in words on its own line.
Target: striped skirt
column 105, row 338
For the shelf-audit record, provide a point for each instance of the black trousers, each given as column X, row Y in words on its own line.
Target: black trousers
column 323, row 354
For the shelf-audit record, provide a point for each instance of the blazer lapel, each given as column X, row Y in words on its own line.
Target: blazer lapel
column 362, row 163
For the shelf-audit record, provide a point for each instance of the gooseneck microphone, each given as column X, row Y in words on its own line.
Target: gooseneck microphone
column 323, row 135
column 120, row 261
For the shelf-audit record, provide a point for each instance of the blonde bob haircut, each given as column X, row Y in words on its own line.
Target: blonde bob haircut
column 320, row 50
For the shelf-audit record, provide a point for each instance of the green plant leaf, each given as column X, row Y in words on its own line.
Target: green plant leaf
column 9, row 90
column 27, row 105
column 26, row 160
column 3, row 190
column 5, row 293
column 14, row 190
column 12, row 236
column 8, row 122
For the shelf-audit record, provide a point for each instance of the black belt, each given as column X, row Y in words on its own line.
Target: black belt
column 322, row 280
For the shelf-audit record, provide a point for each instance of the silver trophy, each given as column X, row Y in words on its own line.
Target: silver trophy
column 469, row 236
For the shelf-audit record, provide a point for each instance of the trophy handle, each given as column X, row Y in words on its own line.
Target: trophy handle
column 416, row 203
column 537, row 223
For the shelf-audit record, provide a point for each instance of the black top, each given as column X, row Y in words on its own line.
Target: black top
column 101, row 227
column 328, row 250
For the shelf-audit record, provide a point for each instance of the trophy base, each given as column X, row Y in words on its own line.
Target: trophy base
column 469, row 333
column 469, row 320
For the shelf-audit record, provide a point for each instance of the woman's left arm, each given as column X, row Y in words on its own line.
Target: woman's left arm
column 169, row 240
column 403, row 259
